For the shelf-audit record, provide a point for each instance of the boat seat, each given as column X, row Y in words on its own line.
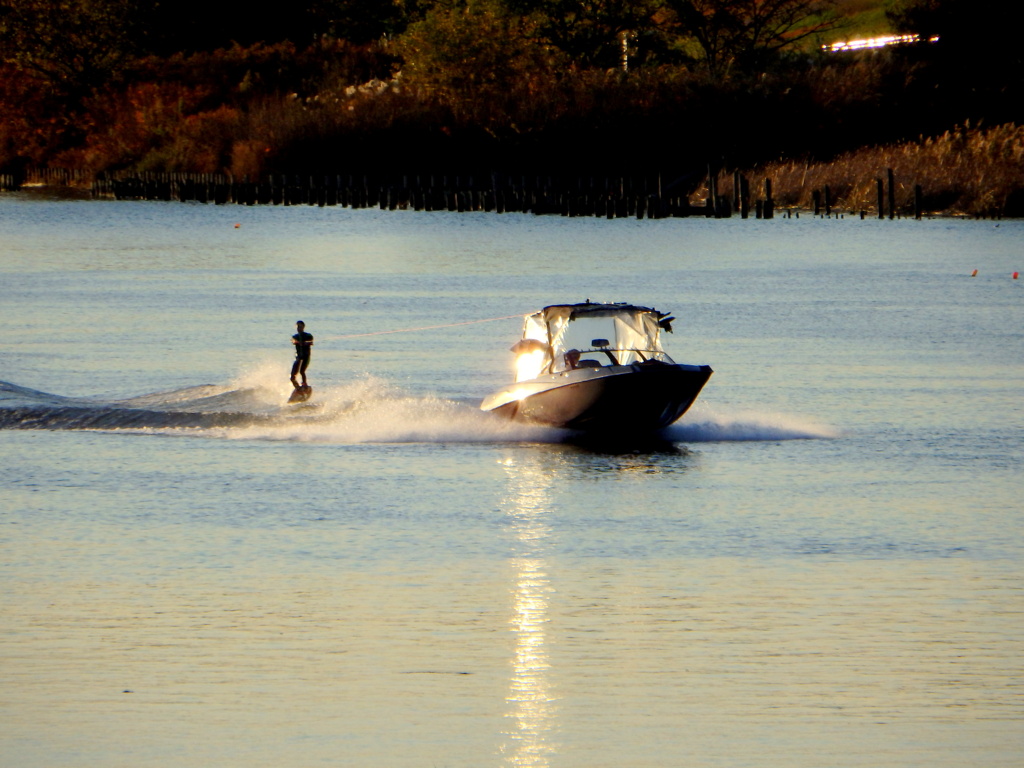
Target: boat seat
column 588, row 364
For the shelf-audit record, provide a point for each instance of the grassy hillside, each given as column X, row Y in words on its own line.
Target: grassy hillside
column 864, row 18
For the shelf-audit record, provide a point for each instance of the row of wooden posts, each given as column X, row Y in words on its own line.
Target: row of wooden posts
column 597, row 196
column 609, row 197
column 51, row 177
column 822, row 199
column 886, row 202
column 9, row 182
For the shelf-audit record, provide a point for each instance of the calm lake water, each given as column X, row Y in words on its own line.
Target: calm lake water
column 821, row 565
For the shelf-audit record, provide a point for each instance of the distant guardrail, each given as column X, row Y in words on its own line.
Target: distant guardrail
column 877, row 42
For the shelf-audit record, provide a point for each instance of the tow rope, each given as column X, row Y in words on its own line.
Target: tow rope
column 421, row 328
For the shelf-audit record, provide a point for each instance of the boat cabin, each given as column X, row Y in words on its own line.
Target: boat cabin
column 566, row 337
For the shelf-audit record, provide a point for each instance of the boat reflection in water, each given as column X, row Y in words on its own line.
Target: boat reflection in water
column 530, row 701
column 598, row 369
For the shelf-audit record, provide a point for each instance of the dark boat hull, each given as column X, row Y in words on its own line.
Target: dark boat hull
column 641, row 398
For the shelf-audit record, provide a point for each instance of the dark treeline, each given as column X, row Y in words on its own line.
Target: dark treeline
column 565, row 87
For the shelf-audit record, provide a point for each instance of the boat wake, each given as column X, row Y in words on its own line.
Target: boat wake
column 369, row 410
column 704, row 424
column 365, row 411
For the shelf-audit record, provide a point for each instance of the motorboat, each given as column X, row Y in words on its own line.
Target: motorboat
column 597, row 368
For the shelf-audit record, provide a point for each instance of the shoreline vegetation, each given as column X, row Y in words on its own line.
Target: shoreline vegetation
column 551, row 105
column 965, row 171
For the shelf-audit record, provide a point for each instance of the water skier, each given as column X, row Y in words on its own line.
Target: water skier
column 303, row 344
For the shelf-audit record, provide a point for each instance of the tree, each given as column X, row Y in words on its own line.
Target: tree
column 977, row 64
column 589, row 32
column 362, row 21
column 747, row 34
column 193, row 26
column 73, row 45
column 986, row 29
column 463, row 48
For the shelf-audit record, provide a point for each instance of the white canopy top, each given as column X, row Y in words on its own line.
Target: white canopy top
column 606, row 333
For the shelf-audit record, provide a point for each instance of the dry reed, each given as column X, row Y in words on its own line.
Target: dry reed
column 966, row 171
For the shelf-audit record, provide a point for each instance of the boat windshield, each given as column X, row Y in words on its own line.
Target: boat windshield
column 559, row 338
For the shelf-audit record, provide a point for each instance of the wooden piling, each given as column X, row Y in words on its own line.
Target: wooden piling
column 892, row 194
column 639, row 196
column 712, row 200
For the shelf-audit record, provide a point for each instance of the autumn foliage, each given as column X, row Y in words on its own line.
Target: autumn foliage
column 468, row 86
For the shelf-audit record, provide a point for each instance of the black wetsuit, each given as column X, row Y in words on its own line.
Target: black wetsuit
column 303, row 346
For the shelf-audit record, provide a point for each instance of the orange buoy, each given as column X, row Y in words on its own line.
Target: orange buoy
column 1014, row 275
column 974, row 273
column 238, row 226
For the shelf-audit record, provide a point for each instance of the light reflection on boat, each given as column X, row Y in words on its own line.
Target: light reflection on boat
column 530, row 700
column 597, row 368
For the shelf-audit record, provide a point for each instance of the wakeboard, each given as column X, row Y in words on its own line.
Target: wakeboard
column 301, row 394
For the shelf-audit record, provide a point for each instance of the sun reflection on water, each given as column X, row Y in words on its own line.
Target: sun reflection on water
column 530, row 700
